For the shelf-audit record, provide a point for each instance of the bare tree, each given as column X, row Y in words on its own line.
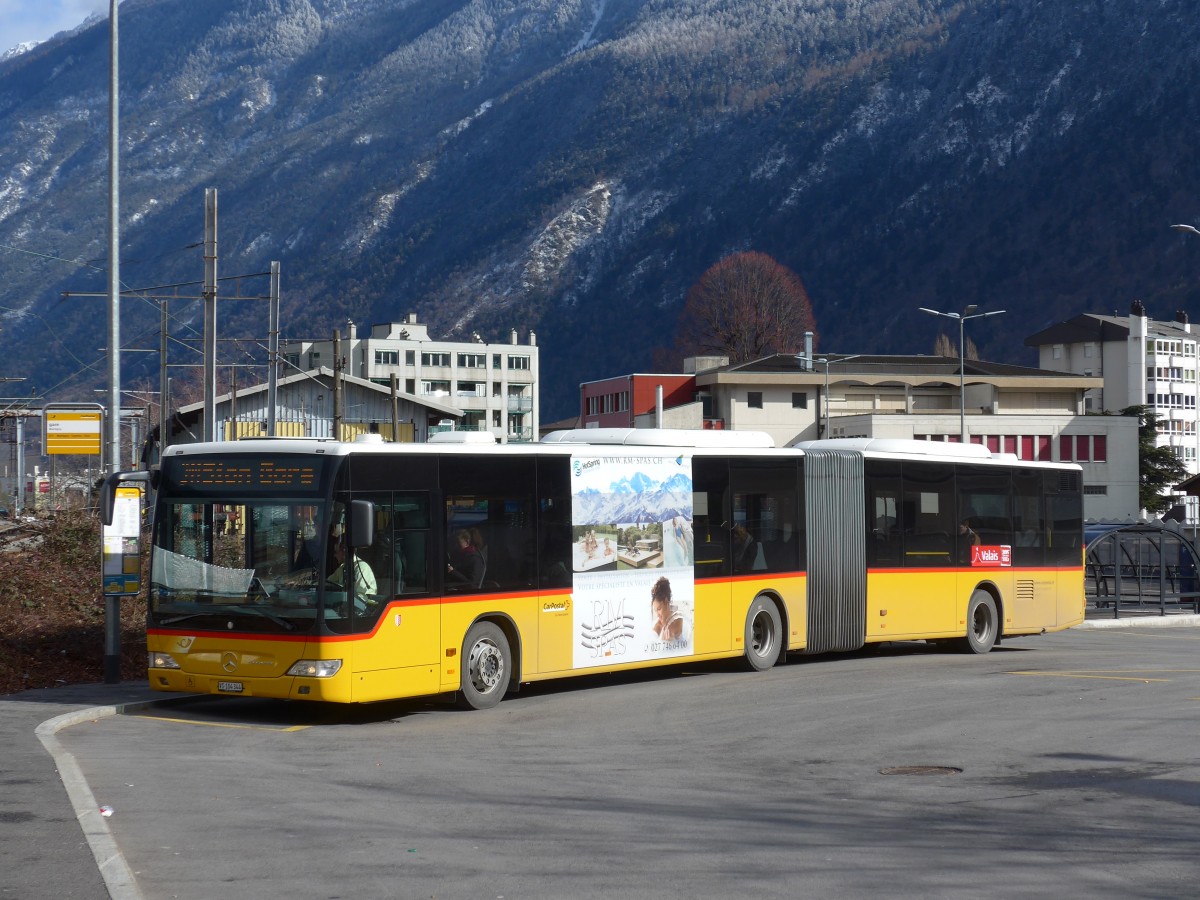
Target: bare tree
column 745, row 306
column 943, row 345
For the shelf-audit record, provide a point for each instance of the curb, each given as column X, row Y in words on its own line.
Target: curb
column 112, row 865
column 1174, row 621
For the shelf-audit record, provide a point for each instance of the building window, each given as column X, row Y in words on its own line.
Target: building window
column 1100, row 448
column 292, row 359
column 1058, row 351
column 410, row 357
column 472, row 360
column 799, row 400
column 387, row 357
column 1043, row 448
column 496, row 362
column 1066, row 448
column 518, row 362
column 314, row 359
column 410, row 385
column 754, row 399
column 1096, row 489
column 435, row 359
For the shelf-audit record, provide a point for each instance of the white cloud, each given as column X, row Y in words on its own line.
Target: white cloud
column 37, row 20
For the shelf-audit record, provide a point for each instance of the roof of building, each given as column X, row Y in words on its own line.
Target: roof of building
column 325, row 375
column 1101, row 328
column 881, row 366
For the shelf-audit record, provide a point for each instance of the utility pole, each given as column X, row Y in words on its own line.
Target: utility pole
column 337, row 385
column 209, row 295
column 273, row 351
column 112, row 604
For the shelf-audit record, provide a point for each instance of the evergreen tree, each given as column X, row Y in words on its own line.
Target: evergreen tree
column 1159, row 468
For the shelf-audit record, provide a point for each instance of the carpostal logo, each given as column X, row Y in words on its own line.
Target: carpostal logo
column 557, row 606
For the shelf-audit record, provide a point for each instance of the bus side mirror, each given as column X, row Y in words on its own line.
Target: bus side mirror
column 362, row 523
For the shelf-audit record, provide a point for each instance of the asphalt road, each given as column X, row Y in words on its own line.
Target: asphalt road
column 1064, row 765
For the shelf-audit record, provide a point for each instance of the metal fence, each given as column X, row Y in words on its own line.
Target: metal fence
column 1140, row 568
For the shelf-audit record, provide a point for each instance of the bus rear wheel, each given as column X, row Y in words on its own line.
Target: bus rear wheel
column 764, row 635
column 983, row 624
column 486, row 663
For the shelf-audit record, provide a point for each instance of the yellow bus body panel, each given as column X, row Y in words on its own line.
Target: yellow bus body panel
column 415, row 648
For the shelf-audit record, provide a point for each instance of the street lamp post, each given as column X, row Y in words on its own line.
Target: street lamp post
column 825, row 361
column 961, row 318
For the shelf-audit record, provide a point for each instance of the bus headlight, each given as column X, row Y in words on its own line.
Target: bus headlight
column 315, row 668
column 162, row 661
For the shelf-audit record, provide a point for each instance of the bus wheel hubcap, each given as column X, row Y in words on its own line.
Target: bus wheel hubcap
column 487, row 666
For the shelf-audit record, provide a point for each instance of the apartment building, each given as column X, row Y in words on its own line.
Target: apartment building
column 1137, row 361
column 493, row 384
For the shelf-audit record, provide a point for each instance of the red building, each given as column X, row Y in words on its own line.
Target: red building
column 616, row 402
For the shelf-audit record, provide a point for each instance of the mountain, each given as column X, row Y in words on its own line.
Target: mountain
column 573, row 166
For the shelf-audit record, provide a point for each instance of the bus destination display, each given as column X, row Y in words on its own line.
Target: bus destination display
column 261, row 474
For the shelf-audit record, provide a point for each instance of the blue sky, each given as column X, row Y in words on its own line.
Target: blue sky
column 36, row 20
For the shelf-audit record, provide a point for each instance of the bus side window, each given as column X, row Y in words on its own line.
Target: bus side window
column 764, row 505
column 493, row 501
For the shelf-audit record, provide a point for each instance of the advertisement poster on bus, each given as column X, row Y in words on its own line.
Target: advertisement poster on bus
column 632, row 554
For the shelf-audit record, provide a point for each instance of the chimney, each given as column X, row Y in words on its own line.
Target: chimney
column 1138, row 342
column 512, row 337
column 808, row 351
column 532, row 339
column 1182, row 318
column 411, row 319
column 351, row 332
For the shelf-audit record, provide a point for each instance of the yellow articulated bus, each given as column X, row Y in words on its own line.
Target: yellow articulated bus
column 358, row 572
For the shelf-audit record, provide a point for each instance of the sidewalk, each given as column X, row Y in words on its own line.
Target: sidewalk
column 56, row 844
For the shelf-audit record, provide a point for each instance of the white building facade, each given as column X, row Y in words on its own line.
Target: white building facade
column 1140, row 362
column 493, row 385
column 1030, row 413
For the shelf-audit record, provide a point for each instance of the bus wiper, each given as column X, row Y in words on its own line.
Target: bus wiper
column 183, row 618
column 266, row 614
column 226, row 610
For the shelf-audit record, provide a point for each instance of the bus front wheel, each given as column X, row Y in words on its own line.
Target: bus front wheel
column 764, row 635
column 486, row 663
column 983, row 624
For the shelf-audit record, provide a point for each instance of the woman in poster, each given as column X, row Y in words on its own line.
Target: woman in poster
column 668, row 623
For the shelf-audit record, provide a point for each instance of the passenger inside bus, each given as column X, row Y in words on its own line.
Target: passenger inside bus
column 466, row 566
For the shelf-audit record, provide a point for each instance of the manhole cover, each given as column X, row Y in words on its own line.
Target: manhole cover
column 921, row 770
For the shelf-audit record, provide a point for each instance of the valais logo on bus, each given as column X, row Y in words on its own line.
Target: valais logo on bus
column 991, row 555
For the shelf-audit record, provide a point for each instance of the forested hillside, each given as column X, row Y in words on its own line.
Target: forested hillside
column 573, row 166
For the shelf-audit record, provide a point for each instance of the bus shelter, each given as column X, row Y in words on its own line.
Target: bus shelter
column 1142, row 567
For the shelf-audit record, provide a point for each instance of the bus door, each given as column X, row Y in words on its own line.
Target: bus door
column 712, row 563
column 767, row 539
column 386, row 585
column 835, row 525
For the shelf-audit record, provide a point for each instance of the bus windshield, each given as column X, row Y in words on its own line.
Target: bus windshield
column 260, row 562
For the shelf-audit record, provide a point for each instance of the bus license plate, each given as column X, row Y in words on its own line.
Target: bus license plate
column 230, row 687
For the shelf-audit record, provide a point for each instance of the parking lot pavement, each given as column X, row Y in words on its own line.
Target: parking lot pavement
column 57, row 843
